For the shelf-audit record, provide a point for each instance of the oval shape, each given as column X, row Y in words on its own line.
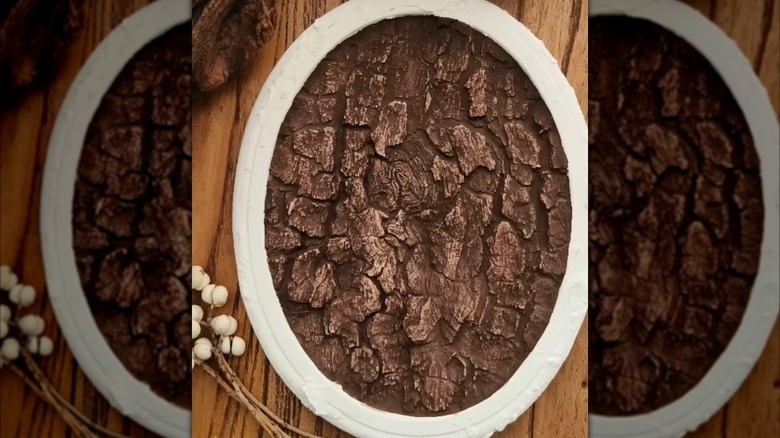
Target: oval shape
column 132, row 214
column 418, row 216
column 131, row 396
column 690, row 244
column 288, row 357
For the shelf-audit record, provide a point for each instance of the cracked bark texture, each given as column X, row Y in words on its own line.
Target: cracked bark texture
column 224, row 35
column 676, row 216
column 418, row 216
column 34, row 34
column 132, row 215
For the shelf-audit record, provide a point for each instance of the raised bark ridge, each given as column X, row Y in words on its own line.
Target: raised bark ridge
column 34, row 35
column 418, row 216
column 225, row 34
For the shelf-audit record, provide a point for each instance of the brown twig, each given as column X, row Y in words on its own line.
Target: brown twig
column 44, row 394
column 44, row 382
column 269, row 426
column 229, row 370
column 214, row 375
column 232, row 384
column 232, row 392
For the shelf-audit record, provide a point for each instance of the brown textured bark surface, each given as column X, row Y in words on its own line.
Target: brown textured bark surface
column 418, row 216
column 676, row 216
column 225, row 33
column 132, row 215
column 33, row 36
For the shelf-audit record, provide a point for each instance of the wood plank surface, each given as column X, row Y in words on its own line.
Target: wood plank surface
column 754, row 411
column 218, row 126
column 24, row 138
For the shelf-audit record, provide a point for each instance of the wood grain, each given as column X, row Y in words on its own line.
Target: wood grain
column 218, row 126
column 754, row 411
column 24, row 138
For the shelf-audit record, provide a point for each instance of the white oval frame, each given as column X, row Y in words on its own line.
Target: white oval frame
column 128, row 395
column 732, row 367
column 324, row 397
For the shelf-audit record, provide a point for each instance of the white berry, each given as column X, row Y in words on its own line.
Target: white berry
column 197, row 312
column 204, row 282
column 197, row 277
column 32, row 344
column 195, row 329
column 224, row 325
column 220, row 324
column 234, row 345
column 5, row 313
column 32, row 325
column 238, row 346
column 202, row 349
column 233, row 325
column 3, row 329
column 45, row 346
column 14, row 292
column 219, row 296
column 206, row 295
column 224, row 344
column 22, row 295
column 10, row 349
column 7, row 278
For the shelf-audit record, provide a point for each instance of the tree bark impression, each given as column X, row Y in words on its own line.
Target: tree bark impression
column 132, row 216
column 676, row 216
column 224, row 35
column 33, row 35
column 418, row 216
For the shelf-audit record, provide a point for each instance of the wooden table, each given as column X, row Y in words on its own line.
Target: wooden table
column 24, row 138
column 218, row 126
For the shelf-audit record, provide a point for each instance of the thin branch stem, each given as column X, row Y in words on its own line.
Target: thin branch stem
column 211, row 372
column 44, row 394
column 33, row 367
column 273, row 428
column 229, row 370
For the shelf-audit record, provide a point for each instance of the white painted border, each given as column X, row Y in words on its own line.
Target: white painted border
column 130, row 396
column 319, row 394
column 731, row 369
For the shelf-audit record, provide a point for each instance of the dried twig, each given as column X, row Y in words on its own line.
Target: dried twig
column 60, row 400
column 42, row 390
column 264, row 421
column 228, row 370
column 221, row 337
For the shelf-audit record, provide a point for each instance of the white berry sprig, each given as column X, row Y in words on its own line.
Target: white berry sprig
column 22, row 337
column 222, row 327
column 28, row 329
column 213, row 339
